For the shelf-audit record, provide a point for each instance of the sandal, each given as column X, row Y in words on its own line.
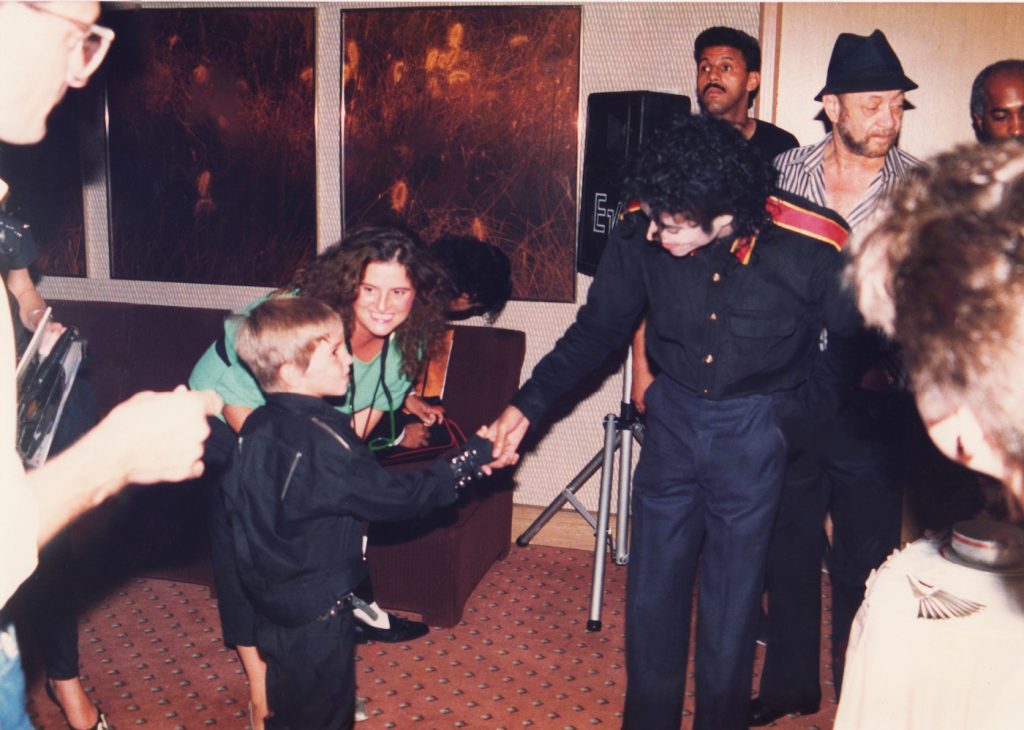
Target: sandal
column 101, row 722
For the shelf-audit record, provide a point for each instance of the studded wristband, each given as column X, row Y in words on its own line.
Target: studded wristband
column 466, row 465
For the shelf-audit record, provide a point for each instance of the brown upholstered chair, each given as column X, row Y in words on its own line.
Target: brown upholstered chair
column 431, row 566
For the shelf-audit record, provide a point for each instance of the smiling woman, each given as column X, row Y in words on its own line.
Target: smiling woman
column 385, row 298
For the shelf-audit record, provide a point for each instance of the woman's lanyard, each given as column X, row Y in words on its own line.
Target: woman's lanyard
column 380, row 442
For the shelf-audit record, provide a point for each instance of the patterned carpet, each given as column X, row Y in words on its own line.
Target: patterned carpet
column 152, row 656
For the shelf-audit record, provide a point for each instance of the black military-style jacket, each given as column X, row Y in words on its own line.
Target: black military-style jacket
column 736, row 318
column 299, row 486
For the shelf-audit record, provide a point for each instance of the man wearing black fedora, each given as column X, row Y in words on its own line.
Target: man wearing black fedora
column 846, row 464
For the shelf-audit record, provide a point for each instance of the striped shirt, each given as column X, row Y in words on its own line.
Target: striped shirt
column 802, row 171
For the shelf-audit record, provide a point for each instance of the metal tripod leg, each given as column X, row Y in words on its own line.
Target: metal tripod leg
column 624, row 430
column 566, row 495
column 619, row 435
column 600, row 543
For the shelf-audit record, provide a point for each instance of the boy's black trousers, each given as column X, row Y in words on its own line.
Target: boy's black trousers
column 310, row 673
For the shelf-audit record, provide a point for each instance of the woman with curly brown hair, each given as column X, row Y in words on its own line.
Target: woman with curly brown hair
column 391, row 293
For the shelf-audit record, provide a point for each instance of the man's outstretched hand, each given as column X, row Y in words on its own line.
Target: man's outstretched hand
column 506, row 433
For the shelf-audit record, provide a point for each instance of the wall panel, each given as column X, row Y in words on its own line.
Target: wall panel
column 624, row 46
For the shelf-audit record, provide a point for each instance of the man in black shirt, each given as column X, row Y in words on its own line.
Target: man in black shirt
column 737, row 282
column 728, row 79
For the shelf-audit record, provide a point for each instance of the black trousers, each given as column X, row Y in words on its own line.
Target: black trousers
column 49, row 597
column 706, row 490
column 310, row 673
column 851, row 468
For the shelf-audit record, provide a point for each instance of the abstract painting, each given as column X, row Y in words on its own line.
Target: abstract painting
column 464, row 120
column 212, row 144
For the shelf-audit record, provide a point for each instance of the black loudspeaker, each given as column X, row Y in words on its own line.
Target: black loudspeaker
column 618, row 124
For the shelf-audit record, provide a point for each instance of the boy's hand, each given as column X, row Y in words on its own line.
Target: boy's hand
column 427, row 413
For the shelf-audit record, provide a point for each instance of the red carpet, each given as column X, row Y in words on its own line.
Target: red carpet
column 152, row 656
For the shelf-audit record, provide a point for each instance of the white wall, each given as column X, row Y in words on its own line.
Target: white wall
column 942, row 46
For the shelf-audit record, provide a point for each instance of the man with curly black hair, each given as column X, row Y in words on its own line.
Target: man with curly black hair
column 728, row 79
column 738, row 281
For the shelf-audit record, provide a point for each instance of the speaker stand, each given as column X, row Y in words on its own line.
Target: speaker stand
column 619, row 433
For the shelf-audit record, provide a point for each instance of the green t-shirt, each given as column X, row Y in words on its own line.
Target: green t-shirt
column 236, row 385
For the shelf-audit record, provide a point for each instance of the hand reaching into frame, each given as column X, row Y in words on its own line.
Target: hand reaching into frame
column 151, row 437
column 159, row 436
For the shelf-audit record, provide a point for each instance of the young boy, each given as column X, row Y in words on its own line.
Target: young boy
column 298, row 489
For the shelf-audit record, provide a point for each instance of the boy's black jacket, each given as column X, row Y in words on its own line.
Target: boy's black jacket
column 299, row 486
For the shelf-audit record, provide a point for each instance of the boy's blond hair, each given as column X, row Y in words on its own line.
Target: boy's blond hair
column 283, row 330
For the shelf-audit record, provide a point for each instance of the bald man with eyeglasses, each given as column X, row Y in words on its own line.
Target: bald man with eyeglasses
column 46, row 48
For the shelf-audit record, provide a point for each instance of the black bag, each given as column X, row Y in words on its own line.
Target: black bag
column 441, row 437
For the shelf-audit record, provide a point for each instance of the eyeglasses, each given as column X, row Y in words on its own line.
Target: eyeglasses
column 90, row 47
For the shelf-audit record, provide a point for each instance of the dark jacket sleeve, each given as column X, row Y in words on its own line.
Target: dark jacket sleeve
column 837, row 369
column 615, row 301
column 356, row 484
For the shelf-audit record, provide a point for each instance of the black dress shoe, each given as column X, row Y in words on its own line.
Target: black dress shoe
column 401, row 630
column 762, row 713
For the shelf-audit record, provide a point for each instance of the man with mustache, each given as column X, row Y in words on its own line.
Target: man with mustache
column 728, row 79
column 845, row 462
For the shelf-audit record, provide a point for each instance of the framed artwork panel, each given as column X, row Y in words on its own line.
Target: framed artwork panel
column 212, row 150
column 463, row 120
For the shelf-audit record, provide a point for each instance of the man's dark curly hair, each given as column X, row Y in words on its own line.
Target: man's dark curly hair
column 702, row 168
column 335, row 276
column 477, row 269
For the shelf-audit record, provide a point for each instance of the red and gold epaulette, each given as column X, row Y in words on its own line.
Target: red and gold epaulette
column 793, row 217
column 742, row 248
column 807, row 222
column 633, row 206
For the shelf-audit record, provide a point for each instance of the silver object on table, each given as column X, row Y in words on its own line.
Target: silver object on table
column 936, row 603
